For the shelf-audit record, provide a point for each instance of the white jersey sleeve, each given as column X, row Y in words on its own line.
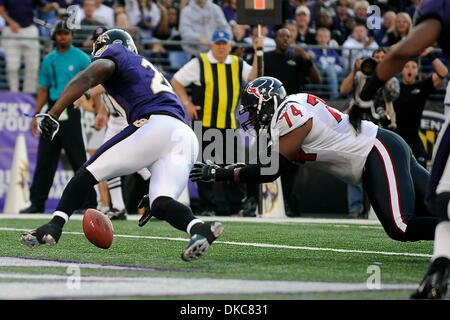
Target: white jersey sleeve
column 331, row 145
column 291, row 115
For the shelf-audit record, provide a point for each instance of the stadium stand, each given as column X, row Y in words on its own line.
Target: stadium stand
column 155, row 50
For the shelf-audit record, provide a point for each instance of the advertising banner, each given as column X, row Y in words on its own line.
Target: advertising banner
column 13, row 107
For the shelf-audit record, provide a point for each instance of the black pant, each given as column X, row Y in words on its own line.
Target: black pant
column 396, row 184
column 417, row 147
column 70, row 138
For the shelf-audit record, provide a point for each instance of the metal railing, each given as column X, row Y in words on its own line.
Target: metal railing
column 169, row 61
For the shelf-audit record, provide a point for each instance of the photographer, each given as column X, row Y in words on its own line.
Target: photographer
column 353, row 83
column 381, row 111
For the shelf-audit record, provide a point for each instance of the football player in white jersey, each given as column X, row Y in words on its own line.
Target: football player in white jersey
column 306, row 131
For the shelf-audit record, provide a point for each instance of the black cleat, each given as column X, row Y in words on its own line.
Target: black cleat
column 434, row 284
column 32, row 209
column 145, row 218
column 47, row 234
column 144, row 205
column 115, row 214
column 203, row 235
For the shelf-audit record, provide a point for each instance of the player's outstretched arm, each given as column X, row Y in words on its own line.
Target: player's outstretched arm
column 288, row 148
column 421, row 37
column 98, row 72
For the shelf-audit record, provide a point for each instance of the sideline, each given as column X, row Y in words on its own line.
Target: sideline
column 136, row 217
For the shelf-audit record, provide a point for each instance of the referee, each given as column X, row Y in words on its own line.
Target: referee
column 57, row 69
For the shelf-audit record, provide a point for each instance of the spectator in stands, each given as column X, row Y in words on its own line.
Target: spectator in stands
column 349, row 24
column 229, row 10
column 18, row 15
column 360, row 10
column 306, row 34
column 411, row 102
column 102, row 13
column 239, row 33
column 198, row 20
column 269, row 43
column 388, row 22
column 291, row 6
column 291, row 25
column 57, row 69
column 120, row 7
column 144, row 14
column 326, row 21
column 339, row 18
column 168, row 30
column 83, row 36
column 215, row 105
column 321, row 5
column 329, row 62
column 358, row 44
column 400, row 29
column 123, row 21
column 291, row 68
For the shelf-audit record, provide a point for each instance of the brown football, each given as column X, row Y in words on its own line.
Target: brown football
column 97, row 228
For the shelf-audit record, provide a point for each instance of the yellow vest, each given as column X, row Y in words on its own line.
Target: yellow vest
column 219, row 92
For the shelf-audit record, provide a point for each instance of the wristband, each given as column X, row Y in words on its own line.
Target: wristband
column 370, row 88
column 87, row 94
column 432, row 56
column 222, row 174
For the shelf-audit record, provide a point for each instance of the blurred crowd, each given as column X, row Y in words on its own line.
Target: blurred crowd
column 347, row 29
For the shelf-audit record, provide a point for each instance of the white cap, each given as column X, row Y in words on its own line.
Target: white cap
column 302, row 9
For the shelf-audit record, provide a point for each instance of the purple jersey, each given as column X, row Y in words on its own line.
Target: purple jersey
column 138, row 87
column 440, row 10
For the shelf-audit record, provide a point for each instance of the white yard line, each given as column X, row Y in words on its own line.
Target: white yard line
column 259, row 245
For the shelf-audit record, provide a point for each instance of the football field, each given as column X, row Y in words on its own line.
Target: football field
column 255, row 258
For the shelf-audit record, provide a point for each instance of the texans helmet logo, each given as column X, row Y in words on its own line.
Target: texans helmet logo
column 261, row 89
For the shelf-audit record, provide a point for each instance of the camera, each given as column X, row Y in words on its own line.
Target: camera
column 380, row 110
column 368, row 66
column 366, row 69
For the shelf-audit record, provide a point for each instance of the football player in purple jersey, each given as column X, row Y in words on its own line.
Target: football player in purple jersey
column 157, row 138
column 432, row 24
